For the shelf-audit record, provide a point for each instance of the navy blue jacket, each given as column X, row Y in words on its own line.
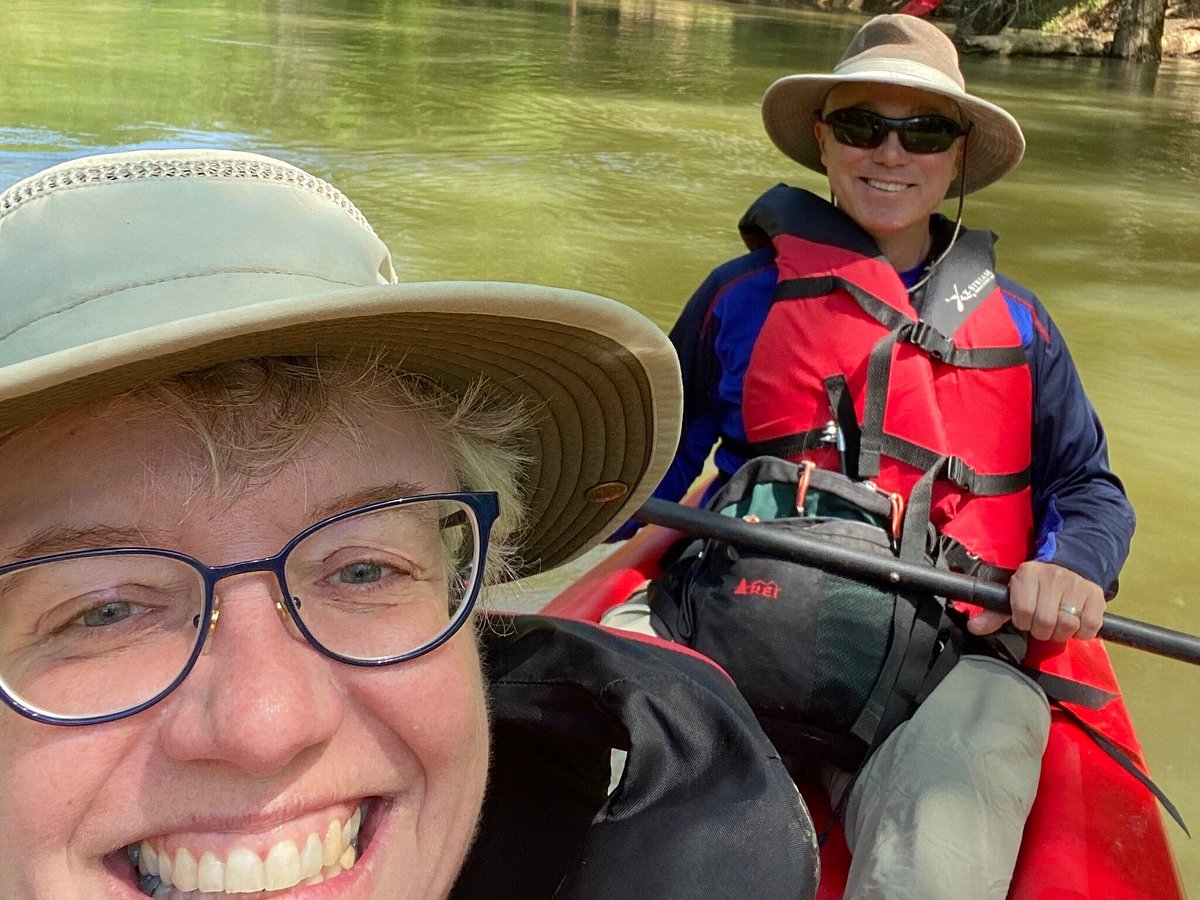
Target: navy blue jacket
column 1084, row 520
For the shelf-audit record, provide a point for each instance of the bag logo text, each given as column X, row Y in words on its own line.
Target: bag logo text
column 758, row 588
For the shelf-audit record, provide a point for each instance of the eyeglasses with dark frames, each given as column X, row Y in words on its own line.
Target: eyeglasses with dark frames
column 92, row 636
column 866, row 130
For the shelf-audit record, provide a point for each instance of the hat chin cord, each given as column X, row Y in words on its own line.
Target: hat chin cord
column 962, row 184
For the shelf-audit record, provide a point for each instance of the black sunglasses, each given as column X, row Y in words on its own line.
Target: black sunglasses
column 862, row 128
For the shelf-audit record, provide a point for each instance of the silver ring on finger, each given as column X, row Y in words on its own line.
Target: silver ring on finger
column 1069, row 610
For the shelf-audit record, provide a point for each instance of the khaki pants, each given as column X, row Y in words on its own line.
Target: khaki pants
column 939, row 809
column 632, row 615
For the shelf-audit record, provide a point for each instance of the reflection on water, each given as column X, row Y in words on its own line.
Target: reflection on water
column 612, row 146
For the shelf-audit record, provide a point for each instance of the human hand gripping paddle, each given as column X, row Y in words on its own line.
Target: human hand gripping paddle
column 880, row 570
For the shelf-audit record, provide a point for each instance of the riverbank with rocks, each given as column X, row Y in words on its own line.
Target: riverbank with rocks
column 1184, row 42
column 1088, row 32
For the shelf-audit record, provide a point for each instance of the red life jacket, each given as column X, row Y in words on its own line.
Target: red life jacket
column 932, row 391
column 945, row 390
column 928, row 396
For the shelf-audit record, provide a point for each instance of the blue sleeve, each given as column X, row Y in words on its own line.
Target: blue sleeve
column 699, row 430
column 694, row 337
column 706, row 414
column 1083, row 518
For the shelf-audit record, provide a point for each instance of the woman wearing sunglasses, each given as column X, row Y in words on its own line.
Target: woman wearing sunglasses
column 870, row 334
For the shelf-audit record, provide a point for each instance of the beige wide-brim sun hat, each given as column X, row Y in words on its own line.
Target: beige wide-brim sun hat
column 903, row 50
column 122, row 269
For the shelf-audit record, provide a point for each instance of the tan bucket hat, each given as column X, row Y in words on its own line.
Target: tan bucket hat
column 121, row 269
column 896, row 49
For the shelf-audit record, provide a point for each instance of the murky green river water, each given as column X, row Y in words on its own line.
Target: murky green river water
column 611, row 146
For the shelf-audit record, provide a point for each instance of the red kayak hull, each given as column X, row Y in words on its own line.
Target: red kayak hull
column 1094, row 831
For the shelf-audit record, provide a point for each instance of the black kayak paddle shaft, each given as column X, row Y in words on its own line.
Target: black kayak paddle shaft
column 878, row 569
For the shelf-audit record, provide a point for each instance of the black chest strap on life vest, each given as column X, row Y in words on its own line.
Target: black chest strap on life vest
column 788, row 445
column 904, row 328
column 841, row 432
column 870, row 438
column 876, row 443
column 963, row 281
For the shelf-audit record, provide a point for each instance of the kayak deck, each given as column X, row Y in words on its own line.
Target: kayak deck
column 1094, row 831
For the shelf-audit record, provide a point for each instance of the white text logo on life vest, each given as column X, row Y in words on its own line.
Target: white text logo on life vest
column 961, row 298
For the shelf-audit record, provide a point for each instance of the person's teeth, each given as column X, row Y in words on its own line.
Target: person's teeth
column 147, row 858
column 243, row 871
column 212, row 872
column 182, row 877
column 185, row 873
column 333, row 843
column 165, row 868
column 149, row 883
column 886, row 186
column 311, row 859
column 283, row 868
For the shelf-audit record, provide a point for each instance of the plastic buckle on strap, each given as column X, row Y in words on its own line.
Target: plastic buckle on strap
column 929, row 339
column 952, row 554
column 960, row 473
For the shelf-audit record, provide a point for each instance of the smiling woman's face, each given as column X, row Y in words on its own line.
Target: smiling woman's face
column 267, row 746
column 887, row 190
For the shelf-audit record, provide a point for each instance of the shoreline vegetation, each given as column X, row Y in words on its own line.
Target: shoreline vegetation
column 1087, row 30
column 1044, row 27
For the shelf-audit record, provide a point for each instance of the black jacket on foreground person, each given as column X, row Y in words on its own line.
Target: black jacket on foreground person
column 705, row 809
